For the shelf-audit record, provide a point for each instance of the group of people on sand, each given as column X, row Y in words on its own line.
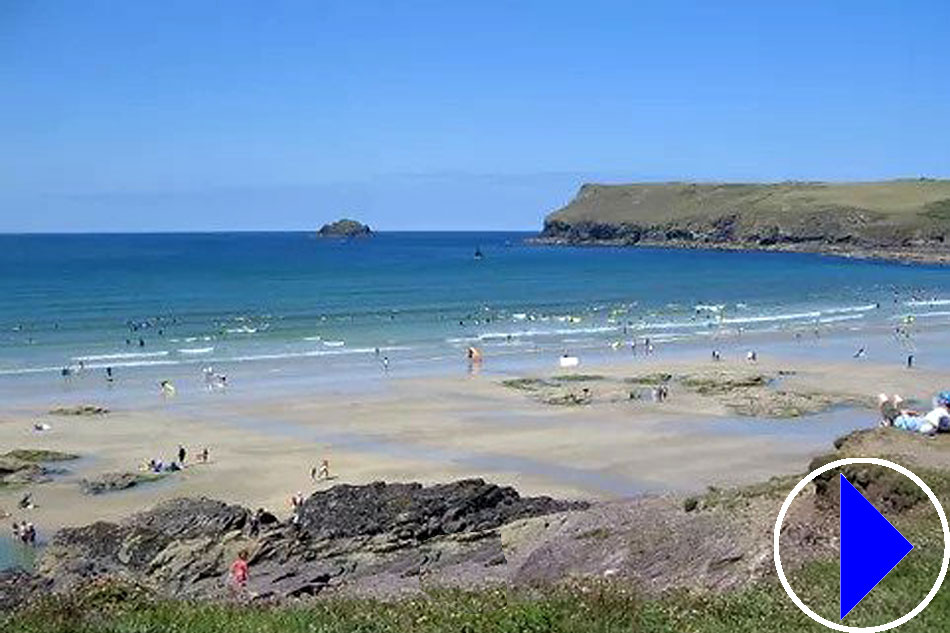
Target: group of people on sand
column 159, row 466
column 937, row 420
column 213, row 379
column 24, row 532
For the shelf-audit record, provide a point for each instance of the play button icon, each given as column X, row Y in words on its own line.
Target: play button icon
column 870, row 547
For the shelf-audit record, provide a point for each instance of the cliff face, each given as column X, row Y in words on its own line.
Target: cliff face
column 900, row 219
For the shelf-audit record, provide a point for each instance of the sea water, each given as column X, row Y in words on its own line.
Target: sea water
column 152, row 306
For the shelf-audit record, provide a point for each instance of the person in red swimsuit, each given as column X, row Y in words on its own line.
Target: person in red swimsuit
column 239, row 573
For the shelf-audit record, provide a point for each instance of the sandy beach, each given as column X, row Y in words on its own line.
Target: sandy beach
column 613, row 445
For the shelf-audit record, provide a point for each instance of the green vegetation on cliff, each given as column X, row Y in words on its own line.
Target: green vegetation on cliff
column 899, row 218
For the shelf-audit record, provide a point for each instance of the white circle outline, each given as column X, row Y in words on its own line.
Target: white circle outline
column 864, row 629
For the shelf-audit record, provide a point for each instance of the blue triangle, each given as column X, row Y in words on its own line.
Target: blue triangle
column 870, row 547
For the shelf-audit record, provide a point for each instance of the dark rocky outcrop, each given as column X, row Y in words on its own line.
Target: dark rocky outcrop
column 373, row 537
column 344, row 228
column 411, row 511
column 907, row 219
column 112, row 482
column 21, row 466
column 80, row 409
column 17, row 586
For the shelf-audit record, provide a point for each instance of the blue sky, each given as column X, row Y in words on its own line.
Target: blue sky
column 201, row 115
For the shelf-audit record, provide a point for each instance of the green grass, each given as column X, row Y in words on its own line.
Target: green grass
column 939, row 210
column 595, row 607
column 600, row 608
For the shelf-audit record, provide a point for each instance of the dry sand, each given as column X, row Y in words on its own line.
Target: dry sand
column 433, row 430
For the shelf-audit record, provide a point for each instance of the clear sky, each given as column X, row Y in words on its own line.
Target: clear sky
column 194, row 115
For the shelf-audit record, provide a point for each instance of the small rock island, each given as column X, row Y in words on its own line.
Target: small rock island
column 345, row 228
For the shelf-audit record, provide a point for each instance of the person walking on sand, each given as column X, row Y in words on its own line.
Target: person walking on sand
column 204, row 455
column 324, row 470
column 240, row 574
column 910, row 361
column 182, row 453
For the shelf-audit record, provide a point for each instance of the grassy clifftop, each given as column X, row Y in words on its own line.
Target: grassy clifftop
column 899, row 218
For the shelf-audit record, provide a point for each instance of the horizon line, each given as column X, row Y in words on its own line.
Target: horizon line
column 258, row 231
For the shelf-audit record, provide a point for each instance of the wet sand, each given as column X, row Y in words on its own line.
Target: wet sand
column 439, row 429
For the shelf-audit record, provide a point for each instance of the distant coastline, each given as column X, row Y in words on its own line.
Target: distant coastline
column 901, row 220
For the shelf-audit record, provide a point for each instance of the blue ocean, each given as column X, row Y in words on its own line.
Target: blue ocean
column 152, row 305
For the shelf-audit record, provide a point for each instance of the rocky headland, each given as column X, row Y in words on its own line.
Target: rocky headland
column 901, row 219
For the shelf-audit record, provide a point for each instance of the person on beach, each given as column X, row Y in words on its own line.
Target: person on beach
column 168, row 389
column 204, row 455
column 385, row 363
column 324, row 473
column 752, row 356
column 938, row 419
column 910, row 361
column 240, row 574
column 28, row 534
column 26, row 502
column 716, row 356
column 254, row 527
column 182, row 453
column 890, row 409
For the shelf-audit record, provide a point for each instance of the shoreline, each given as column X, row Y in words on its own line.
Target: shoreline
column 907, row 256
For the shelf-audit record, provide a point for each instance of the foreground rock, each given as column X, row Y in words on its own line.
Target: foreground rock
column 345, row 228
column 371, row 538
